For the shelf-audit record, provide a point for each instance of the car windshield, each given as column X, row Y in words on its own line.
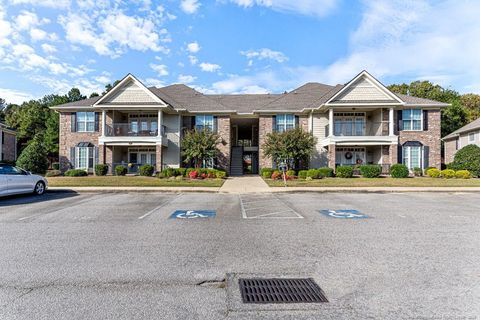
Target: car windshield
column 11, row 170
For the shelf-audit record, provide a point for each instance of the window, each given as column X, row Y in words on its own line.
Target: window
column 11, row 170
column 84, row 157
column 285, row 122
column 349, row 124
column 471, row 137
column 204, row 121
column 412, row 156
column 412, row 119
column 85, row 121
column 349, row 156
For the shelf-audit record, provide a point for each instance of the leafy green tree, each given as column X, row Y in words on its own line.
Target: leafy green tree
column 289, row 146
column 467, row 158
column 110, row 86
column 2, row 109
column 93, row 95
column 199, row 145
column 453, row 118
column 471, row 102
column 34, row 157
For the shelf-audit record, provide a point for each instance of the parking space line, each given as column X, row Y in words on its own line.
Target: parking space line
column 276, row 201
column 158, row 207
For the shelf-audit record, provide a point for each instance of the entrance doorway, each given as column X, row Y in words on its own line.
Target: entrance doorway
column 244, row 139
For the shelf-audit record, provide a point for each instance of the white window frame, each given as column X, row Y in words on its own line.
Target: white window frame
column 82, row 118
column 90, row 153
column 411, row 120
column 207, row 120
column 407, row 154
column 341, row 151
column 471, row 137
column 352, row 118
column 284, row 121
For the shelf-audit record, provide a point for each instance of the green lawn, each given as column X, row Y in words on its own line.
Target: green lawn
column 377, row 182
column 129, row 181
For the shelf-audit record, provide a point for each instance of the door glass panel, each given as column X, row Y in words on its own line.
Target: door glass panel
column 133, row 157
column 153, row 159
column 143, row 158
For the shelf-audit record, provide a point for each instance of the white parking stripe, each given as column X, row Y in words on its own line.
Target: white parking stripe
column 158, row 207
column 271, row 202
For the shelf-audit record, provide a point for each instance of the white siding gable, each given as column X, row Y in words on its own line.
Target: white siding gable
column 363, row 90
column 130, row 93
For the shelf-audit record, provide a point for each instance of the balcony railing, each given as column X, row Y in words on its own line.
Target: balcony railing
column 126, row 130
column 351, row 129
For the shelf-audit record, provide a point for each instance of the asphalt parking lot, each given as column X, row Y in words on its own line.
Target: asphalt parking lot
column 122, row 256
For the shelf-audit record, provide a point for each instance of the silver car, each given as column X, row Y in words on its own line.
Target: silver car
column 14, row 180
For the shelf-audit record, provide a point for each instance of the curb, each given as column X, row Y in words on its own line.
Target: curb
column 131, row 189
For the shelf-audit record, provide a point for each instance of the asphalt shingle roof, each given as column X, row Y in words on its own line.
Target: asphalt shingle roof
column 244, row 103
column 415, row 100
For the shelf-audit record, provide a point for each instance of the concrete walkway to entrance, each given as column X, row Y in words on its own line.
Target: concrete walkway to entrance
column 245, row 184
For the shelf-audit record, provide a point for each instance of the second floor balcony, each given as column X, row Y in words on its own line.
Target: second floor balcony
column 358, row 128
column 133, row 130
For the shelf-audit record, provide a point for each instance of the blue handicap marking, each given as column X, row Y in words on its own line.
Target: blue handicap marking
column 344, row 214
column 193, row 214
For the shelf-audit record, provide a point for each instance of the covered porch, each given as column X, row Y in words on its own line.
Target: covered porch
column 132, row 157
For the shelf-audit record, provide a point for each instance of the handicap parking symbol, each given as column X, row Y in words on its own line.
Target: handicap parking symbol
column 344, row 214
column 193, row 214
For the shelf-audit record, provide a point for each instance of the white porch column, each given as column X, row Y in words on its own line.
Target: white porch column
column 104, row 120
column 160, row 123
column 390, row 122
column 330, row 122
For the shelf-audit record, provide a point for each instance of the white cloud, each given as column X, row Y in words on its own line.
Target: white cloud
column 15, row 96
column 186, row 79
column 45, row 3
column 209, row 67
column 153, row 82
column 5, row 29
column 318, row 8
column 189, row 6
column 48, row 48
column 193, row 47
column 38, row 34
column 265, row 53
column 26, row 20
column 193, row 60
column 160, row 69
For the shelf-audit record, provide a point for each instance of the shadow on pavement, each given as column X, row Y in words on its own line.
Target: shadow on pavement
column 22, row 199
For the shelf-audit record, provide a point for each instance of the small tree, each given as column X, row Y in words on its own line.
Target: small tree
column 199, row 145
column 289, row 146
column 467, row 158
column 34, row 157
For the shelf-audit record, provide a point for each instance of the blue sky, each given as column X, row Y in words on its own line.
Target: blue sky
column 234, row 46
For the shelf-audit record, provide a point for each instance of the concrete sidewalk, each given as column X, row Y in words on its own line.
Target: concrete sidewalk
column 245, row 184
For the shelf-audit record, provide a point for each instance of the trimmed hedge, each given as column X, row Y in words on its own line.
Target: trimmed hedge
column 76, row 173
column 399, row 171
column 146, row 170
column 266, row 172
column 290, row 173
column 447, row 173
column 370, row 170
column 325, row 172
column 463, row 174
column 344, row 171
column 121, row 170
column 433, row 173
column 302, row 174
column 101, row 169
column 467, row 158
column 313, row 173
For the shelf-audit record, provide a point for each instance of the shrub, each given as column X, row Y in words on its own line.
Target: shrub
column 433, row 173
column 76, row 173
column 120, row 170
column 193, row 174
column 182, row 171
column 160, row 175
column 276, row 175
column 399, row 171
column 56, row 166
column 463, row 174
column 302, row 174
column 101, row 169
column 313, row 173
column 448, row 174
column 179, row 178
column 146, row 170
column 467, row 158
column 417, row 172
column 344, row 171
column 266, row 172
column 290, row 173
column 220, row 174
column 325, row 172
column 34, row 157
column 53, row 173
column 170, row 172
column 188, row 171
column 370, row 170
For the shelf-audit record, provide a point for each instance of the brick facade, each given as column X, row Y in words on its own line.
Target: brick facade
column 430, row 138
column 265, row 126
column 331, row 155
column 8, row 147
column 223, row 129
column 68, row 139
column 158, row 157
column 450, row 150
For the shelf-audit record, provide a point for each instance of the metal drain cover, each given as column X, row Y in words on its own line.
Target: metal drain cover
column 281, row 290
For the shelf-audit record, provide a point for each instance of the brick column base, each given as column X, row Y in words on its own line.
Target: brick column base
column 331, row 156
column 393, row 151
column 158, row 155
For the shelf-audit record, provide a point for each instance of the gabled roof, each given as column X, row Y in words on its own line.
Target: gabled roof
column 5, row 128
column 474, row 125
column 244, row 103
column 411, row 100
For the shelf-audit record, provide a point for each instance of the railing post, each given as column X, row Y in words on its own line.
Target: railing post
column 160, row 123
column 104, row 120
column 390, row 122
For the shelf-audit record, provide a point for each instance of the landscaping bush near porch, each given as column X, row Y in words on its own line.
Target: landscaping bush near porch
column 399, row 171
column 370, row 170
column 344, row 171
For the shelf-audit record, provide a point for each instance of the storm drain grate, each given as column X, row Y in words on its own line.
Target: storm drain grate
column 280, row 290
